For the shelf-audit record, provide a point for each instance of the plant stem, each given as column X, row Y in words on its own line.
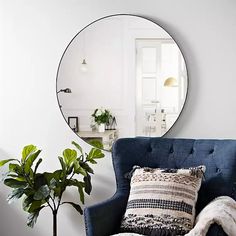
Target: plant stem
column 59, row 202
column 54, row 222
column 49, row 205
column 53, row 201
column 72, row 175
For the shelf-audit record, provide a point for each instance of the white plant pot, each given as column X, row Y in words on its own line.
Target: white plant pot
column 101, row 128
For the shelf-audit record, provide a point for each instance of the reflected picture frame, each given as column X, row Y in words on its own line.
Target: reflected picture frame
column 73, row 122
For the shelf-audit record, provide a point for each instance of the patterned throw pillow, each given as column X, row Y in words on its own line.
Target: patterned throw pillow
column 162, row 201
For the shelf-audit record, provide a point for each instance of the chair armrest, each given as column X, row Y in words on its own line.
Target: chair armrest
column 104, row 219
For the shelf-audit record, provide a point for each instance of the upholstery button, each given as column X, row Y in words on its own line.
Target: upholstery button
column 191, row 151
column 211, row 151
column 149, row 149
column 217, row 170
column 171, row 150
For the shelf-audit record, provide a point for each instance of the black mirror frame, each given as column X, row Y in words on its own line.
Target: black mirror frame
column 120, row 14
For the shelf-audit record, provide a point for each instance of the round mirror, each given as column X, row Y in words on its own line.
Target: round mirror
column 121, row 76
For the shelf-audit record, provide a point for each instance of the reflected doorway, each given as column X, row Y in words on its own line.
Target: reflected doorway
column 160, row 86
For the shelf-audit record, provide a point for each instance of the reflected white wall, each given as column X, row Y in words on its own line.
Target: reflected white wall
column 109, row 47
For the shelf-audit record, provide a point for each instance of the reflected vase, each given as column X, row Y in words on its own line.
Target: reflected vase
column 101, row 128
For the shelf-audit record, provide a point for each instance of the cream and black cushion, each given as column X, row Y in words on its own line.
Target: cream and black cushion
column 162, row 201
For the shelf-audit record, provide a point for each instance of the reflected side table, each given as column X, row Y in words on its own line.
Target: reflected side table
column 107, row 138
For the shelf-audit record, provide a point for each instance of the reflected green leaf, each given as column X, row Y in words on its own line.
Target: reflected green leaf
column 96, row 143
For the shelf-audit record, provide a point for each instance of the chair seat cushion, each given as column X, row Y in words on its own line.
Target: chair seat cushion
column 162, row 201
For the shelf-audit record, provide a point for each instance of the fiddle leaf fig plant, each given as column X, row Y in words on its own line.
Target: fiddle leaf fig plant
column 41, row 190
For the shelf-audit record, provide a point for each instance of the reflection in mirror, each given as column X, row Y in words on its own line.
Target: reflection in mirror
column 127, row 77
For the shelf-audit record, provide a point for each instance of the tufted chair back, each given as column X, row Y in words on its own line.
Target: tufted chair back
column 219, row 157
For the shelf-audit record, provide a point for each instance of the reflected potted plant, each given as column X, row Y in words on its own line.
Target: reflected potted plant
column 101, row 118
column 41, row 190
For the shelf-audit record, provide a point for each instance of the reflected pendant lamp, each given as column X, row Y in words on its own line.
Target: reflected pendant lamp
column 171, row 82
column 84, row 66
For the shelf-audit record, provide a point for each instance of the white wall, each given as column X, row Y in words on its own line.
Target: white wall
column 33, row 36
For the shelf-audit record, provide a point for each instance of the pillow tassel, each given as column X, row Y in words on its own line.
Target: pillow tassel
column 152, row 231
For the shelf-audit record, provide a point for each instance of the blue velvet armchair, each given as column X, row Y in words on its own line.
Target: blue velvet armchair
column 219, row 157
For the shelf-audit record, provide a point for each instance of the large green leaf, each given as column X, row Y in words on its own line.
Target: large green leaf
column 15, row 176
column 81, row 171
column 32, row 218
column 3, row 162
column 29, row 191
column 15, row 194
column 13, row 183
column 42, row 193
column 37, row 165
column 81, row 193
column 76, row 165
column 92, row 161
column 52, row 183
column 28, row 150
column 75, row 182
column 15, row 168
column 88, row 185
column 30, row 160
column 78, row 147
column 86, row 167
column 69, row 155
column 70, row 169
column 26, row 202
column 56, row 175
column 80, row 185
column 58, row 190
column 63, row 164
column 39, row 180
column 35, row 205
column 76, row 206
column 78, row 169
column 53, row 179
